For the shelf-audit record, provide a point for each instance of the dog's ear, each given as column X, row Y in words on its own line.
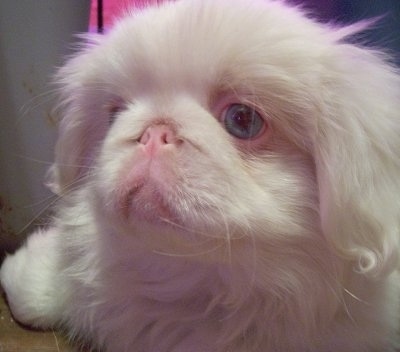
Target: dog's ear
column 357, row 153
column 76, row 131
column 69, row 164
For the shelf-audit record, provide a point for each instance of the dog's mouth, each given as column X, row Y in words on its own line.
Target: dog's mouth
column 165, row 186
column 167, row 201
column 151, row 190
column 148, row 201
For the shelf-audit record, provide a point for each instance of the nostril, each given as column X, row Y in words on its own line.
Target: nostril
column 145, row 137
column 166, row 137
column 159, row 134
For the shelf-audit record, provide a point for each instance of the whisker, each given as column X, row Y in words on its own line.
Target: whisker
column 214, row 249
column 37, row 216
column 36, row 101
column 187, row 229
column 228, row 235
column 28, row 158
column 50, row 163
column 40, row 202
column 67, row 190
column 352, row 295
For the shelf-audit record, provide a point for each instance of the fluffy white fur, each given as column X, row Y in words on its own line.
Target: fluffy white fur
column 172, row 235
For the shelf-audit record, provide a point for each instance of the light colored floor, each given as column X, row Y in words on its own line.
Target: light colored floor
column 14, row 338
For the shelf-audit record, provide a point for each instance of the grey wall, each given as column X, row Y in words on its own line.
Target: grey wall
column 35, row 35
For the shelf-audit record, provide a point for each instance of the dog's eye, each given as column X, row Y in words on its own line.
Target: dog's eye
column 243, row 122
column 113, row 109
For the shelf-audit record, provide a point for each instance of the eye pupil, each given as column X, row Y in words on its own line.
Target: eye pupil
column 243, row 122
column 242, row 118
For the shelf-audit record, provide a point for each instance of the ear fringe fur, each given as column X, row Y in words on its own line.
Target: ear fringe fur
column 357, row 154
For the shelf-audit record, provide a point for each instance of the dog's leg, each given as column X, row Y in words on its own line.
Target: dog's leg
column 31, row 280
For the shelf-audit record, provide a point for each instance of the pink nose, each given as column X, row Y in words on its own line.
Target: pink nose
column 158, row 136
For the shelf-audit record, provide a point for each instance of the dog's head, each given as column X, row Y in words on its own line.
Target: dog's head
column 237, row 119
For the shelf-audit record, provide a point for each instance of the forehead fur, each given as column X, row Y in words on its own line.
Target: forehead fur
column 205, row 40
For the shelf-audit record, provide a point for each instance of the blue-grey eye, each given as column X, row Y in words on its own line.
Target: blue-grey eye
column 243, row 122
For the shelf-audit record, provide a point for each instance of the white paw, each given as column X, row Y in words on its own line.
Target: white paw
column 28, row 279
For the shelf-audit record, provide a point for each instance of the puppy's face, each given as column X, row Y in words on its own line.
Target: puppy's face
column 219, row 120
column 193, row 136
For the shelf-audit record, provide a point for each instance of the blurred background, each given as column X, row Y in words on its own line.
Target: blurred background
column 36, row 36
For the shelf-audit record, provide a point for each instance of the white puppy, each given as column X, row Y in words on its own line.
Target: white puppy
column 229, row 175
